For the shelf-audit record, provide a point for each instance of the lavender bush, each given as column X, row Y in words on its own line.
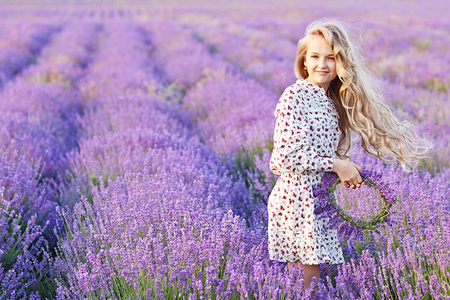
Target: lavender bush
column 39, row 128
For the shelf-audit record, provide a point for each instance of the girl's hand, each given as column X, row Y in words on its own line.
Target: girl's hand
column 348, row 172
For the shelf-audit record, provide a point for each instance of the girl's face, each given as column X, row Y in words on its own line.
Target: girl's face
column 320, row 62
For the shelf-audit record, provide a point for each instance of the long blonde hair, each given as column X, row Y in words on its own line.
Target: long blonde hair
column 356, row 93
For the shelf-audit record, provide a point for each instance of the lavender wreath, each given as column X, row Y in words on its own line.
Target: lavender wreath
column 327, row 206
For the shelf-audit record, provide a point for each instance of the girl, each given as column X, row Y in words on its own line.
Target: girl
column 334, row 94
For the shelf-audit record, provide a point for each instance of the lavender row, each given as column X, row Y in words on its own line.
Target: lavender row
column 40, row 108
column 67, row 57
column 221, row 88
column 39, row 128
column 19, row 44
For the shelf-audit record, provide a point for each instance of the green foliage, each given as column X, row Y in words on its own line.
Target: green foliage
column 9, row 257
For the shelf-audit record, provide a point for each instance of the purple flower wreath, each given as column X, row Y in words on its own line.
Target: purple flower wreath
column 326, row 205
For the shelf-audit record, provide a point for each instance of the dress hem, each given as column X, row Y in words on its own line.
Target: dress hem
column 310, row 263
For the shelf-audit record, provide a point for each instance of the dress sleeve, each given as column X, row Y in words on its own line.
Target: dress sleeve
column 293, row 152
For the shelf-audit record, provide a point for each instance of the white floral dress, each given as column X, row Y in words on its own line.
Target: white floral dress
column 305, row 142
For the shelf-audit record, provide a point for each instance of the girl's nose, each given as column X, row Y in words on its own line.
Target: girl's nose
column 321, row 63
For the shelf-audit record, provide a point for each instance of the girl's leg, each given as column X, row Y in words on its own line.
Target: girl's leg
column 309, row 271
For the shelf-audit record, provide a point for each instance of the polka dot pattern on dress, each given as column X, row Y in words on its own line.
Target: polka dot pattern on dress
column 306, row 137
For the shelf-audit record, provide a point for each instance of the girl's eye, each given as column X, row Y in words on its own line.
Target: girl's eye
column 331, row 58
column 314, row 56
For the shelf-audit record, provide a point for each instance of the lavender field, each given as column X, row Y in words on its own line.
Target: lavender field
column 135, row 143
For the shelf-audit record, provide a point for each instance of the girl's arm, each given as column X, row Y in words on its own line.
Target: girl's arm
column 293, row 151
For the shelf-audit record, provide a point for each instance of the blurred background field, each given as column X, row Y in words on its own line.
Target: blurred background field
column 135, row 139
